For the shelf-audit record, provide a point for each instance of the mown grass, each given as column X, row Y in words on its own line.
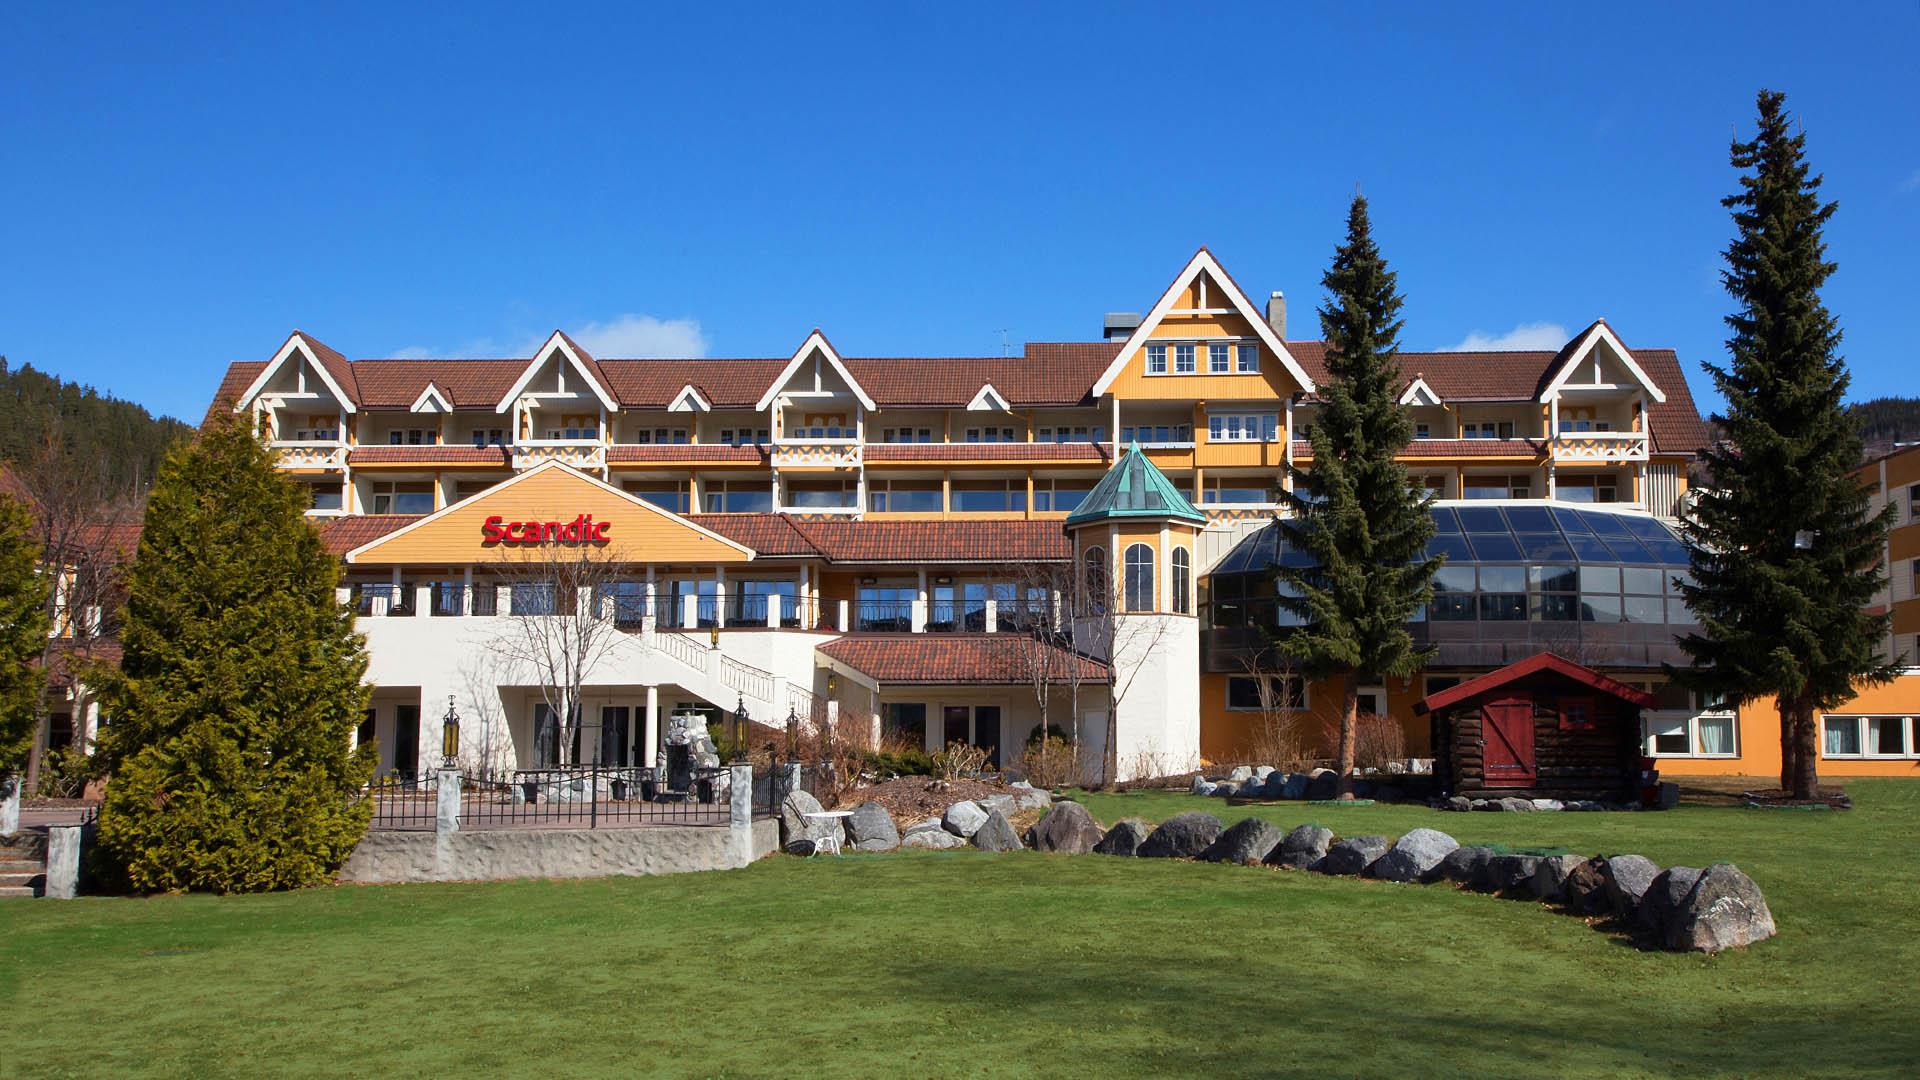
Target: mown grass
column 966, row 964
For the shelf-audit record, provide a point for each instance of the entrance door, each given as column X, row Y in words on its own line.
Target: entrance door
column 953, row 722
column 1506, row 731
column 406, row 741
column 986, row 732
column 614, row 744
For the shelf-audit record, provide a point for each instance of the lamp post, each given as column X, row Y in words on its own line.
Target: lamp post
column 450, row 736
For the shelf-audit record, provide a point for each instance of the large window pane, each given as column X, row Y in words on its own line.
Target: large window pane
column 1453, row 579
column 1599, row 607
column 1602, row 579
column 1886, row 734
column 1645, row 609
column 1843, row 736
column 1503, row 607
column 1452, row 607
column 1505, row 579
column 1554, row 578
column 1639, row 579
column 1556, row 607
column 1669, row 735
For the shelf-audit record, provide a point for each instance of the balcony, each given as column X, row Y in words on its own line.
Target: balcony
column 302, row 454
column 807, row 453
column 579, row 453
column 1598, row 447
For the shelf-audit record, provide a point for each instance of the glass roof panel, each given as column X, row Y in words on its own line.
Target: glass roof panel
column 1605, row 524
column 1444, row 519
column 1647, row 528
column 1452, row 545
column 1570, row 520
column 1482, row 519
column 1545, row 547
column 1630, row 550
column 1495, row 547
column 1590, row 549
column 1533, row 519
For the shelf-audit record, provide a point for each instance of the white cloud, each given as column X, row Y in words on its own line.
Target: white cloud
column 411, row 352
column 1911, row 183
column 1532, row 335
column 640, row 336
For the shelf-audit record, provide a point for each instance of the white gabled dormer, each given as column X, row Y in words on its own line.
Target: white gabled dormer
column 1597, row 396
column 1419, row 394
column 431, row 401
column 1597, row 361
column 560, row 397
column 815, row 396
column 690, row 400
column 302, row 398
column 988, row 400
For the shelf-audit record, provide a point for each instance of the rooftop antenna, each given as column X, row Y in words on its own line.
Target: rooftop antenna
column 1003, row 343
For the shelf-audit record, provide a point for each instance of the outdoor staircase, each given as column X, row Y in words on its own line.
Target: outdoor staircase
column 23, row 864
column 726, row 681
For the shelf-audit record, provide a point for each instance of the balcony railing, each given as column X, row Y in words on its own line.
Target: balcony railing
column 579, row 453
column 816, row 453
column 294, row 454
column 883, row 616
column 1599, row 447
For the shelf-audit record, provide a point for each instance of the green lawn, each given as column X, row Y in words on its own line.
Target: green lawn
column 965, row 964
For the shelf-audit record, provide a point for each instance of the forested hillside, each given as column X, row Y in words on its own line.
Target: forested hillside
column 1885, row 421
column 127, row 438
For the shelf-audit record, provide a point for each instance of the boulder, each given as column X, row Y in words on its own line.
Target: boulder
column 1414, row 856
column 1483, row 804
column 1664, row 897
column 796, row 825
column 1459, row 803
column 1067, row 829
column 871, row 828
column 1006, row 804
column 1550, row 877
column 1520, row 805
column 996, row 834
column 935, row 839
column 1467, row 867
column 1548, row 804
column 1512, row 874
column 1724, row 910
column 1294, row 786
column 1628, row 877
column 931, row 824
column 1202, row 786
column 1182, row 836
column 1224, row 788
column 1240, row 774
column 963, row 819
column 1303, row 848
column 1262, row 772
column 1585, row 889
column 1247, row 842
column 1323, row 784
column 802, row 847
column 1354, row 855
column 1028, row 797
column 1124, row 838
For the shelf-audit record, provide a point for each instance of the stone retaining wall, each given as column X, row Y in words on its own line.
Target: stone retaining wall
column 388, row 858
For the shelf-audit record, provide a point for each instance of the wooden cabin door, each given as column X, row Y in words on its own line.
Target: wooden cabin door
column 1506, row 729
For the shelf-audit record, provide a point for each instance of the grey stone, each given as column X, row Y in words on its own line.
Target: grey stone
column 1460, row 803
column 1550, row 877
column 1512, row 874
column 1323, row 784
column 1354, row 855
column 1466, row 866
column 997, row 834
column 1263, row 772
column 1628, row 877
column 1247, row 841
column 1066, row 829
column 963, row 818
column 1224, row 789
column 1240, row 774
column 1585, row 890
column 796, row 825
column 1028, row 797
column 1294, row 786
column 1124, row 838
column 931, row 824
column 1182, row 836
column 1414, row 856
column 1548, row 804
column 1202, row 786
column 1724, row 910
column 1516, row 805
column 871, row 828
column 934, row 839
column 1303, row 848
column 1003, row 803
column 801, row 847
column 1664, row 897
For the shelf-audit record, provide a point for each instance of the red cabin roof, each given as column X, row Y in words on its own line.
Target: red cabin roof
column 1533, row 665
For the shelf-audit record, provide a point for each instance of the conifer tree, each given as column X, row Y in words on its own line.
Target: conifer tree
column 233, row 708
column 1786, row 551
column 23, row 633
column 1353, row 510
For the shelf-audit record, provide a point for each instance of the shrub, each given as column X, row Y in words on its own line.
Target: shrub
column 959, row 760
column 1052, row 763
column 1276, row 741
column 64, row 773
column 1378, row 740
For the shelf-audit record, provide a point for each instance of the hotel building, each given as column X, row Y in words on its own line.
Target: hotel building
column 880, row 536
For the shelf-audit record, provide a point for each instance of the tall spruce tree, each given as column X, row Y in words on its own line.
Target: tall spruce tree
column 235, row 702
column 1354, row 510
column 1786, row 550
column 23, row 634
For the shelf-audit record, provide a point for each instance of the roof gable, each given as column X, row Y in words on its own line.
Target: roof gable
column 1134, row 488
column 1599, row 335
column 1203, row 262
column 988, row 400
column 431, row 400
column 816, row 343
column 335, row 373
column 1419, row 393
column 583, row 363
column 1538, row 663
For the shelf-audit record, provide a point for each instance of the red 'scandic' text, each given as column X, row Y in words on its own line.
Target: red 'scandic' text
column 581, row 530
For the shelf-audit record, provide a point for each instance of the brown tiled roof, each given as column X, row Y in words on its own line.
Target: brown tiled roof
column 61, row 657
column 946, row 541
column 343, row 534
column 766, row 534
column 1447, row 448
column 468, row 384
column 428, row 455
column 240, row 375
column 624, row 454
column 958, row 659
column 726, row 384
column 1080, row 451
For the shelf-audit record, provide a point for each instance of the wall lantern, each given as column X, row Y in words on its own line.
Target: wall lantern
column 943, row 579
column 713, row 634
column 450, row 736
column 868, row 580
column 833, row 683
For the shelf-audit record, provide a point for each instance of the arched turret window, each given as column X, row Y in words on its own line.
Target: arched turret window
column 1095, row 562
column 1139, row 578
column 1182, row 581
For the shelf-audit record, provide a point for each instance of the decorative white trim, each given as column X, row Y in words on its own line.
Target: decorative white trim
column 1419, row 393
column 1202, row 260
column 988, row 400
column 815, row 340
column 431, row 400
column 540, row 356
column 296, row 341
column 547, row 466
column 690, row 400
column 1589, row 338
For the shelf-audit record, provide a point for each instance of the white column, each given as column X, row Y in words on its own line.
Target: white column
column 773, row 612
column 719, row 596
column 993, row 612
column 648, row 746
column 1115, row 430
column 1553, row 417
column 466, row 590
column 920, row 604
column 1164, row 600
column 690, row 610
column 842, row 622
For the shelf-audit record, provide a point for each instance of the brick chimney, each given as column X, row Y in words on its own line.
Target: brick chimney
column 1277, row 314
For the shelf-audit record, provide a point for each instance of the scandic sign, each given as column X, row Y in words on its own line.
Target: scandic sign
column 581, row 530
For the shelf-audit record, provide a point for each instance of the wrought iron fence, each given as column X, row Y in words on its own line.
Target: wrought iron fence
column 582, row 796
column 401, row 802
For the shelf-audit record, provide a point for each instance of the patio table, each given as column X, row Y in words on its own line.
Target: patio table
column 832, row 840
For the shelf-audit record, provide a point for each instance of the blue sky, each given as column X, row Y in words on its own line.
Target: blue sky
column 179, row 188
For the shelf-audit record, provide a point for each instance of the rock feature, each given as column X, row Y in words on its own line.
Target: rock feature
column 1294, row 786
column 1585, row 890
column 1225, row 788
column 1240, row 774
column 1466, row 866
column 931, row 824
column 1512, row 875
column 1066, row 829
column 996, row 834
column 1323, row 784
column 1415, row 856
column 1124, row 838
column 1303, row 848
column 1550, row 877
column 796, row 825
column 1028, row 797
column 1723, row 911
column 1628, row 877
column 963, row 819
column 801, row 847
column 1182, row 836
column 1202, row 786
column 1352, row 856
column 871, row 828
column 935, row 839
column 1247, row 842
column 1664, row 897
column 1006, row 804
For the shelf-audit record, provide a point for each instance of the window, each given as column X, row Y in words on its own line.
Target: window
column 990, row 435
column 1488, row 429
column 1183, row 359
column 1578, row 714
column 413, row 437
column 904, row 496
column 1060, row 496
column 743, row 436
column 1094, row 562
column 1139, row 580
column 576, row 427
column 1687, row 724
column 660, row 436
column 489, row 437
column 1497, row 487
column 904, row 721
column 1245, row 692
column 324, row 497
column 1157, row 433
column 1870, row 736
column 736, row 497
column 986, row 496
column 403, row 497
column 531, row 598
column 1370, row 701
column 1423, row 431
column 1587, row 489
column 1156, row 359
column 819, row 495
column 1243, row 427
column 1237, row 491
column 1219, row 360
column 665, row 494
column 906, row 435
column 317, row 429
column 1249, row 356
column 1065, row 434
column 1182, row 581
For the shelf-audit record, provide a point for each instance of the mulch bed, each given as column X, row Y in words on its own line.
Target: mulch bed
column 908, row 799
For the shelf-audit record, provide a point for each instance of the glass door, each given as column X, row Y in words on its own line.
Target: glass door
column 615, row 735
column 986, row 732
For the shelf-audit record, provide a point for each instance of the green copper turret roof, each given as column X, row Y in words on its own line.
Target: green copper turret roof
column 1134, row 488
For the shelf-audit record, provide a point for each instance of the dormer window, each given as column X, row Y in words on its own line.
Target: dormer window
column 1156, row 359
column 660, row 436
column 1183, row 363
column 1423, row 431
column 906, row 435
column 413, row 437
column 743, row 436
column 489, row 437
column 1218, row 359
column 1249, row 359
column 990, row 435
